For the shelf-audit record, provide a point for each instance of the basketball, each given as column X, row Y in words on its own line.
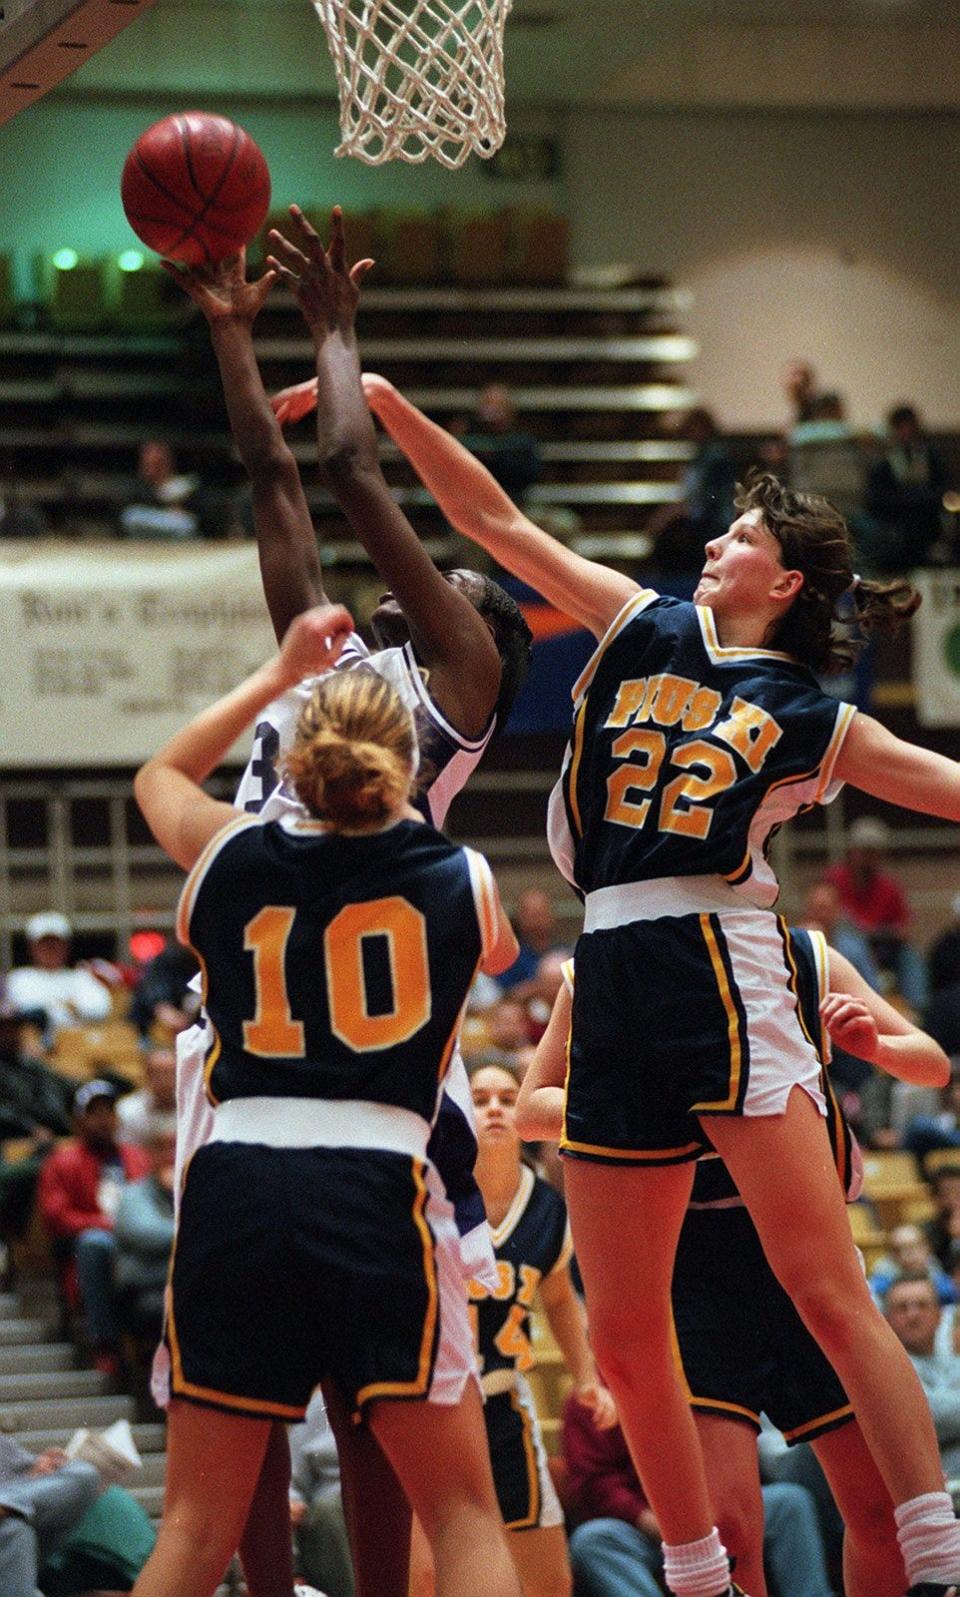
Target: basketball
column 195, row 188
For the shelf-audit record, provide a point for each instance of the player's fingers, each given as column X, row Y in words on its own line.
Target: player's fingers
column 289, row 252
column 359, row 270
column 306, row 229
column 293, row 279
column 336, row 250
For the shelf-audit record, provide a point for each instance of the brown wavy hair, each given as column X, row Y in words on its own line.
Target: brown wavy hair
column 814, row 538
column 353, row 754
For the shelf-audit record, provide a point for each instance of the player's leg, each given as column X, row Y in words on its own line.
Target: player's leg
column 784, row 1169
column 266, row 1547
column 872, row 1563
column 213, row 1464
column 626, row 1221
column 439, row 1453
column 733, row 1475
column 375, row 1508
column 540, row 1556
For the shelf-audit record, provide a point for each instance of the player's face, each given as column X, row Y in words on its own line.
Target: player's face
column 389, row 624
column 494, row 1094
column 742, row 568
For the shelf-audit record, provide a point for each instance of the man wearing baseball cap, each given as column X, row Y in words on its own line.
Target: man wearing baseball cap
column 67, row 997
column 80, row 1187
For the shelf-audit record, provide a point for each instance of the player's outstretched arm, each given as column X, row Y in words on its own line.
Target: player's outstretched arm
column 449, row 636
column 286, row 541
column 876, row 761
column 540, row 1100
column 473, row 502
column 181, row 816
column 863, row 1023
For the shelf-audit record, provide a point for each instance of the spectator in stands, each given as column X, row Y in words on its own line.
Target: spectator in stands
column 34, row 1099
column 681, row 529
column 153, row 1107
column 509, row 454
column 537, row 933
column 943, row 1230
column 316, row 1507
column 163, row 997
column 822, row 911
column 18, row 517
column 926, row 1133
column 546, row 984
column 942, row 1018
column 913, row 1312
column 42, row 1498
column 799, row 381
column 874, row 902
column 943, row 956
column 909, row 1253
column 161, row 502
column 80, row 1187
column 826, row 458
column 905, row 491
column 507, row 1036
column 143, row 1240
column 615, row 1545
column 66, row 996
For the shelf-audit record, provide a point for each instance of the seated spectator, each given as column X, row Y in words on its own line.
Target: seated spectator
column 905, row 491
column 801, row 390
column 909, row 1253
column 80, row 1187
column 509, row 454
column 143, row 1240
column 822, row 910
column 66, row 996
column 944, row 1228
column 615, row 1545
column 543, row 990
column 507, row 1035
column 153, row 1107
column 316, row 1508
column 162, row 501
column 942, row 1018
column 826, row 458
column 705, row 511
column 943, row 955
column 19, row 518
column 925, row 1133
column 43, row 1497
column 34, row 1099
column 163, row 997
column 914, row 1314
column 873, row 900
column 537, row 933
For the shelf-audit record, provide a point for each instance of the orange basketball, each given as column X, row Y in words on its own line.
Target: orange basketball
column 195, row 188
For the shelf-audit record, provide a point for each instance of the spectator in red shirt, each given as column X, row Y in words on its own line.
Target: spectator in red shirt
column 874, row 902
column 79, row 1190
column 615, row 1545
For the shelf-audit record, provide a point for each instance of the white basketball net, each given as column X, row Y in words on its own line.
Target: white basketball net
column 418, row 78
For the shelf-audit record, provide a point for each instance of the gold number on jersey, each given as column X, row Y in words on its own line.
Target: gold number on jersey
column 633, row 777
column 405, row 931
column 272, row 1032
column 683, row 806
column 511, row 1339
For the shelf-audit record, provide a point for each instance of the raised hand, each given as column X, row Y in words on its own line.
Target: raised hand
column 326, row 289
column 221, row 290
column 314, row 641
column 850, row 1024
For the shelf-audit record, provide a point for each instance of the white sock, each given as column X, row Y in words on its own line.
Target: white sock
column 929, row 1537
column 697, row 1569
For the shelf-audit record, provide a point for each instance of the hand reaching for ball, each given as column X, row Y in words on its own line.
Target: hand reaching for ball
column 222, row 291
column 326, row 289
column 850, row 1024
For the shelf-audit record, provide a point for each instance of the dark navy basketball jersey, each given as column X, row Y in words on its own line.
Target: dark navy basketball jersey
column 531, row 1241
column 685, row 756
column 805, row 957
column 335, row 966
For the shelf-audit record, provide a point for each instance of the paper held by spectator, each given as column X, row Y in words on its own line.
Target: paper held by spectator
column 113, row 1451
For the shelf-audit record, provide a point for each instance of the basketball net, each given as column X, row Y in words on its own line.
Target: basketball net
column 417, row 78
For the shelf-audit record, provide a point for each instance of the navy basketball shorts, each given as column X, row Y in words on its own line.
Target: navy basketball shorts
column 296, row 1265
column 679, row 1017
column 743, row 1347
column 525, row 1490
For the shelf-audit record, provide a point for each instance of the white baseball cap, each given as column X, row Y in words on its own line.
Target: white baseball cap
column 48, row 924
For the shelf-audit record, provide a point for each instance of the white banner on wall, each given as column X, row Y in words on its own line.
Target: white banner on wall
column 936, row 648
column 106, row 650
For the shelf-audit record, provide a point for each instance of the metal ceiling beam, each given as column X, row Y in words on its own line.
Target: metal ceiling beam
column 43, row 41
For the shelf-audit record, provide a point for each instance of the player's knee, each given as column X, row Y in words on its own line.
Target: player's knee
column 828, row 1307
column 626, row 1348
